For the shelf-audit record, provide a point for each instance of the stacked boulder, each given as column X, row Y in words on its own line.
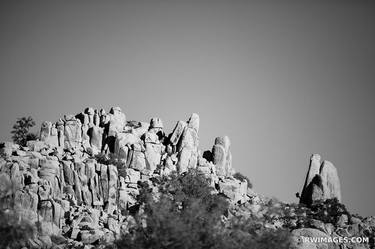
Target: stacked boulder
column 322, row 182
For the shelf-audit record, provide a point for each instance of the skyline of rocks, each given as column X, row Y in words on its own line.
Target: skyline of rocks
column 81, row 179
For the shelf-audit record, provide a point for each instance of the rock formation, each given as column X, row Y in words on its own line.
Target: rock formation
column 322, row 182
column 81, row 182
column 81, row 178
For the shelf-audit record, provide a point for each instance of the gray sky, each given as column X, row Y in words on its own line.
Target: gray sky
column 282, row 80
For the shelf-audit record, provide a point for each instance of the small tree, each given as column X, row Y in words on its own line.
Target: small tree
column 21, row 129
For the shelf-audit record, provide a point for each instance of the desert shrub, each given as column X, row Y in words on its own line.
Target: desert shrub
column 21, row 129
column 242, row 177
column 186, row 214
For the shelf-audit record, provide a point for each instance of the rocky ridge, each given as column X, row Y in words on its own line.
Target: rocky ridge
column 80, row 181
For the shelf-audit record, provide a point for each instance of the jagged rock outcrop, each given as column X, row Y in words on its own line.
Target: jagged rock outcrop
column 322, row 182
column 81, row 178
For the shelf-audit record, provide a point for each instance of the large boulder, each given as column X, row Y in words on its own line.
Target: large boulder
column 322, row 182
column 153, row 150
column 330, row 181
column 222, row 157
column 187, row 146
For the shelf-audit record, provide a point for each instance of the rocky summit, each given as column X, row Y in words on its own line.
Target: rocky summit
column 82, row 182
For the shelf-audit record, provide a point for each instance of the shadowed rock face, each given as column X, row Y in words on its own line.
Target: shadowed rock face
column 322, row 182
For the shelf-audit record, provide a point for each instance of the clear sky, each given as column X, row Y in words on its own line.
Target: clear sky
column 283, row 79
